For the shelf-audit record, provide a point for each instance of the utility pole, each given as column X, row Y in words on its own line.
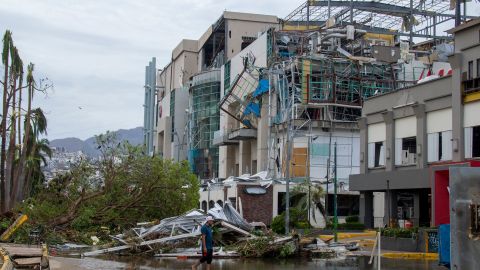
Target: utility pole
column 335, row 218
column 389, row 205
column 308, row 173
column 328, row 168
column 288, row 162
column 287, row 176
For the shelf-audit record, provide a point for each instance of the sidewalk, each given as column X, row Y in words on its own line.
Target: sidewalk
column 366, row 240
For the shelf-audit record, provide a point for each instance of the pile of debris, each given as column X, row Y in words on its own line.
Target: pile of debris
column 179, row 236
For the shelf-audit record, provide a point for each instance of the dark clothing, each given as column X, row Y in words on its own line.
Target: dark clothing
column 207, row 231
column 207, row 257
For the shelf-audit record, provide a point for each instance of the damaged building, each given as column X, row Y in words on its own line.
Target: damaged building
column 271, row 100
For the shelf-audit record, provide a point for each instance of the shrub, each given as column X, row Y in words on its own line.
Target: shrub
column 297, row 220
column 352, row 226
column 399, row 232
column 352, row 219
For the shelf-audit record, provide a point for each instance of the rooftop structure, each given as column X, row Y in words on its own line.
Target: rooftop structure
column 411, row 18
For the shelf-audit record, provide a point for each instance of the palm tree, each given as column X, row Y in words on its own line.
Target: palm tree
column 38, row 158
column 38, row 148
column 7, row 46
column 21, row 171
column 309, row 195
column 15, row 74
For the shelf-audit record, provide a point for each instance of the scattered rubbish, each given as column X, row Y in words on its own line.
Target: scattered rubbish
column 183, row 231
column 95, row 240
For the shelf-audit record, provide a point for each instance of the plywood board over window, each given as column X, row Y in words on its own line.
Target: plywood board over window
column 299, row 162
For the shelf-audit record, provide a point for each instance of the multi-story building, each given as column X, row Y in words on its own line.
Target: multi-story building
column 189, row 90
column 409, row 138
column 149, row 116
column 272, row 102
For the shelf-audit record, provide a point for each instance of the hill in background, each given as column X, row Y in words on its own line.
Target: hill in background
column 134, row 136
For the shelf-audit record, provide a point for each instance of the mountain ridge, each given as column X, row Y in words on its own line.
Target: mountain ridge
column 72, row 144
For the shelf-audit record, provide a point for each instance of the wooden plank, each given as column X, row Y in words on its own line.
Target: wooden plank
column 24, row 251
column 28, row 261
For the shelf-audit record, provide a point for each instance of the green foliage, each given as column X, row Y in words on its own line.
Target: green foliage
column 255, row 247
column 308, row 195
column 399, row 232
column 352, row 219
column 297, row 220
column 352, row 226
column 302, row 225
column 122, row 188
column 264, row 247
column 287, row 250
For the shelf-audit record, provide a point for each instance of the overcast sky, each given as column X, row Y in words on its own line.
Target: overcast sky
column 95, row 51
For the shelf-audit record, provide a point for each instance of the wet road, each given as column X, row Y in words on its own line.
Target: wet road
column 140, row 263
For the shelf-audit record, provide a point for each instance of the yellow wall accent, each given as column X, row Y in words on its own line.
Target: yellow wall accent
column 471, row 97
column 290, row 27
column 389, row 38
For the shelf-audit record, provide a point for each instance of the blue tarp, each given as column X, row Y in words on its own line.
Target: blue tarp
column 252, row 108
column 444, row 245
column 247, row 123
column 261, row 88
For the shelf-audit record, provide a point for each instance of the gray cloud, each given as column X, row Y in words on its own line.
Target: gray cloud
column 95, row 52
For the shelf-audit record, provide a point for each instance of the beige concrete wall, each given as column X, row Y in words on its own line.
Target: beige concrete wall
column 467, row 38
column 471, row 54
column 235, row 29
column 245, row 157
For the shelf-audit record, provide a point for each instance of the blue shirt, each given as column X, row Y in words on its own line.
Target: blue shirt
column 207, row 231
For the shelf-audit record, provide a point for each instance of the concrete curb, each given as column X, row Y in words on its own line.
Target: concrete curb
column 326, row 237
column 411, row 255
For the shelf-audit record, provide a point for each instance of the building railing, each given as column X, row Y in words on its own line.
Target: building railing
column 471, row 85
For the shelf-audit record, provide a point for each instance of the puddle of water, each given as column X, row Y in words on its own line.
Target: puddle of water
column 148, row 263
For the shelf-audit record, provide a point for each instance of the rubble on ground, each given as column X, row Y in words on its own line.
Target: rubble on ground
column 179, row 236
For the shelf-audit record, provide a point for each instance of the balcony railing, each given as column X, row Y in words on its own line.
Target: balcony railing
column 471, row 85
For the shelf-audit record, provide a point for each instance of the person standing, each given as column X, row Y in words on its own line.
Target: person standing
column 207, row 244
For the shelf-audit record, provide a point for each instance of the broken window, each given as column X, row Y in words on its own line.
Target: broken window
column 472, row 142
column 247, row 41
column 376, row 154
column 254, row 166
column 233, row 201
column 226, row 77
column 204, row 206
column 406, row 151
column 439, row 146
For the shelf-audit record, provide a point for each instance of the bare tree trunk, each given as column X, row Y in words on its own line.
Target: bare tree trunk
column 72, row 210
column 19, row 184
column 11, row 145
column 3, row 206
column 19, row 112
